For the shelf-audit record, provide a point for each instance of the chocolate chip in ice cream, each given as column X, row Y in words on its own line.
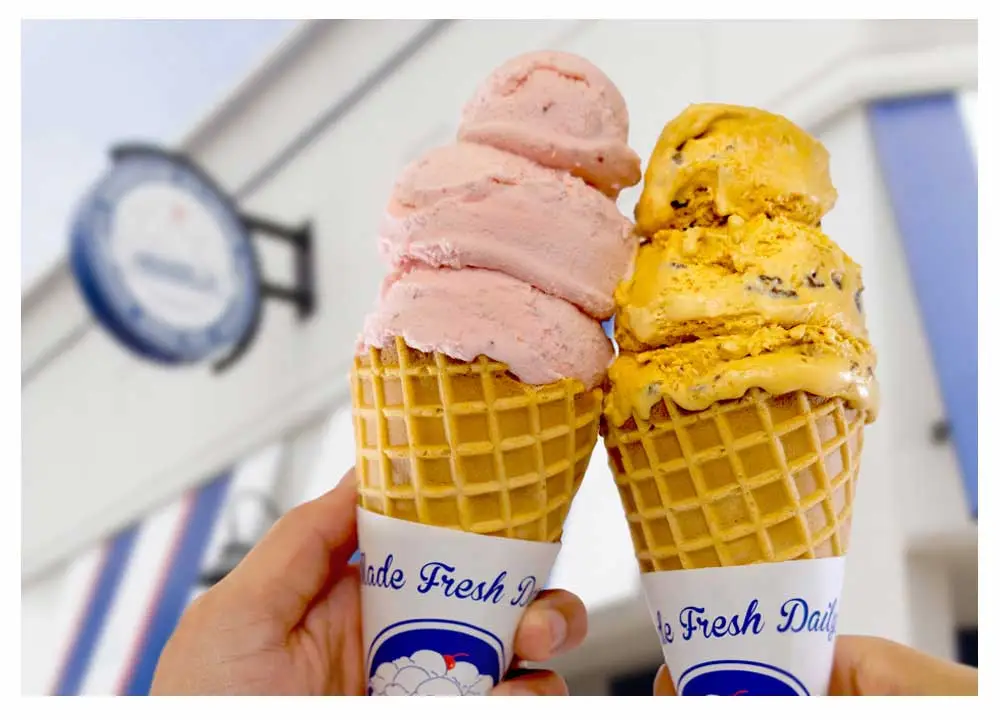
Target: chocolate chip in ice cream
column 779, row 292
column 678, row 204
column 773, row 284
column 838, row 279
column 813, row 281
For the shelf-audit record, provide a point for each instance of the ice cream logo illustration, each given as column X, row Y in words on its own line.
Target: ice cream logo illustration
column 434, row 657
column 732, row 677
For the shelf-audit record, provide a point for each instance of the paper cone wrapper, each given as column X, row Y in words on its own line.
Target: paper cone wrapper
column 440, row 607
column 465, row 478
column 740, row 518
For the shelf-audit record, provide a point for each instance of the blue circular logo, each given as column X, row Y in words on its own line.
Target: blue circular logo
column 434, row 657
column 164, row 260
column 736, row 677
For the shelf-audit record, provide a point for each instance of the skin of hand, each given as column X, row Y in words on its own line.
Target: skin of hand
column 874, row 666
column 287, row 619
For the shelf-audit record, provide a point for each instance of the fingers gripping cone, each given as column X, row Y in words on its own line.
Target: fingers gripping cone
column 451, row 456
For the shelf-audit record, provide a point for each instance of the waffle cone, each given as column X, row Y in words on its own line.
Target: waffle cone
column 466, row 445
column 760, row 479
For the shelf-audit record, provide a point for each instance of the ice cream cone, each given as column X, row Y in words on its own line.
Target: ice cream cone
column 732, row 495
column 736, row 410
column 757, row 480
column 476, row 379
column 482, row 467
column 466, row 445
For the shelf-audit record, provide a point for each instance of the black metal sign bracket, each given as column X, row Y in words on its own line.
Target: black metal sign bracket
column 302, row 294
column 300, row 240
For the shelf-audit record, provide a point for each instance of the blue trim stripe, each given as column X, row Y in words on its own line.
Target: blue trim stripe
column 116, row 556
column 931, row 175
column 178, row 584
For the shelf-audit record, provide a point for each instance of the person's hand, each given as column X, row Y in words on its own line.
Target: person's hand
column 873, row 666
column 287, row 620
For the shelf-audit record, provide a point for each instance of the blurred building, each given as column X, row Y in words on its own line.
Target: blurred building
column 138, row 479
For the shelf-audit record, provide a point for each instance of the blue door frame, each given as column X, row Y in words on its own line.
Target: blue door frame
column 931, row 175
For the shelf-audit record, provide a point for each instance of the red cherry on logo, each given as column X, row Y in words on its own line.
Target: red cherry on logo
column 449, row 660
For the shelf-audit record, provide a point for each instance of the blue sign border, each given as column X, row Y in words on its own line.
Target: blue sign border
column 107, row 294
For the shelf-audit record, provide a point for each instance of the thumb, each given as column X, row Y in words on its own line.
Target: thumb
column 300, row 555
column 873, row 666
column 664, row 684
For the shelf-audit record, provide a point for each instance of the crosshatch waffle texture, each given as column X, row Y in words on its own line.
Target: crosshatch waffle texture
column 466, row 445
column 760, row 479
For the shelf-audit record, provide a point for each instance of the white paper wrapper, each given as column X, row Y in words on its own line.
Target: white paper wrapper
column 439, row 607
column 765, row 629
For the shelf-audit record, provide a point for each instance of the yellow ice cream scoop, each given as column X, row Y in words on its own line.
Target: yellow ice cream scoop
column 814, row 359
column 709, row 281
column 713, row 161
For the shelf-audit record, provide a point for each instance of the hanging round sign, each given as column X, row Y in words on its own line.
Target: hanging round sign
column 164, row 260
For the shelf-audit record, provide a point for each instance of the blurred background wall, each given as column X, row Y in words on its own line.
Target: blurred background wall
column 138, row 480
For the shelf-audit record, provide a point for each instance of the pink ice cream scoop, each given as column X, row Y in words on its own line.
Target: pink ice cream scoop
column 467, row 205
column 560, row 111
column 467, row 313
column 508, row 243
